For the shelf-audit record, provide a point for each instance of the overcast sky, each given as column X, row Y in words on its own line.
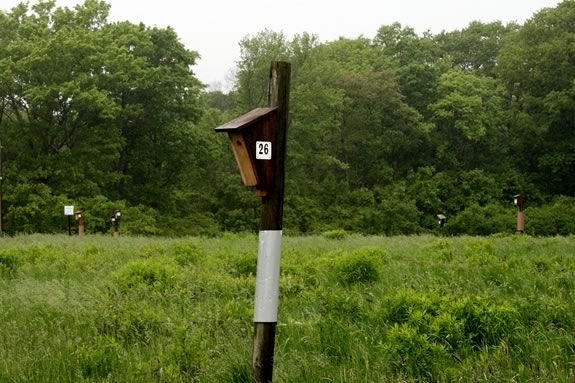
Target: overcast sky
column 214, row 27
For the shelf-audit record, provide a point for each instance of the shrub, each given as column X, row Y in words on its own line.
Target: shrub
column 148, row 272
column 392, row 217
column 150, row 250
column 291, row 285
column 377, row 254
column 194, row 224
column 553, row 219
column 398, row 308
column 183, row 358
column 238, row 372
column 478, row 186
column 441, row 250
column 447, row 329
column 361, row 197
column 480, row 252
column 301, row 214
column 237, row 220
column 412, row 353
column 477, row 220
column 335, row 234
column 243, row 264
column 335, row 338
column 485, row 322
column 459, row 322
column 186, row 253
column 131, row 321
column 8, row 262
column 139, row 220
column 346, row 306
column 34, row 208
column 558, row 314
column 99, row 358
column 358, row 267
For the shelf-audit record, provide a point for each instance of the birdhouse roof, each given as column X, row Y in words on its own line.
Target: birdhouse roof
column 246, row 119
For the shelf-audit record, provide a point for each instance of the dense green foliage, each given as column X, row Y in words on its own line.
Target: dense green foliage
column 385, row 132
column 92, row 112
column 364, row 309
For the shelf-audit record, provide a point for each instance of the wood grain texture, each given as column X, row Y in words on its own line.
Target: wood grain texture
column 272, row 205
column 245, row 163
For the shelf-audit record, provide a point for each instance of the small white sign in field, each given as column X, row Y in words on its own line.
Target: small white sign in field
column 69, row 210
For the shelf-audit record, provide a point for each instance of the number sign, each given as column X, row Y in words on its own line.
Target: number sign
column 263, row 150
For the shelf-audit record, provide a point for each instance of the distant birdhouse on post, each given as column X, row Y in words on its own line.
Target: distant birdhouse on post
column 252, row 140
column 519, row 201
column 441, row 219
column 79, row 215
column 115, row 221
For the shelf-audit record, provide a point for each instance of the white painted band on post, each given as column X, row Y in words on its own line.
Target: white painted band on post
column 268, row 276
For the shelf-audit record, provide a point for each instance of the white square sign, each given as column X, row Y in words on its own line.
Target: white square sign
column 69, row 210
column 263, row 150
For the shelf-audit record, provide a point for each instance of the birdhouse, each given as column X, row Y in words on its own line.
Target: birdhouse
column 518, row 200
column 116, row 217
column 441, row 219
column 251, row 138
column 115, row 221
column 79, row 216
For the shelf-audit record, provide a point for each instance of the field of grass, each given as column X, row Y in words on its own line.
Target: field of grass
column 357, row 309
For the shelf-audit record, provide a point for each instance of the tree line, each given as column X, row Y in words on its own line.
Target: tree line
column 385, row 132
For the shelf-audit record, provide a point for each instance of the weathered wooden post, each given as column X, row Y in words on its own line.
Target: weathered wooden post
column 1, row 192
column 269, row 252
column 79, row 215
column 258, row 140
column 519, row 201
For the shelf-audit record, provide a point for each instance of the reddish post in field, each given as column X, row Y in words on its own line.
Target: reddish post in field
column 519, row 201
column 520, row 221
column 79, row 215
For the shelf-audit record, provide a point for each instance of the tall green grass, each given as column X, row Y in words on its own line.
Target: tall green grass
column 353, row 309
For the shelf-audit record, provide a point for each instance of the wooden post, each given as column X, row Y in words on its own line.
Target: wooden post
column 81, row 226
column 520, row 221
column 519, row 201
column 1, row 192
column 271, row 224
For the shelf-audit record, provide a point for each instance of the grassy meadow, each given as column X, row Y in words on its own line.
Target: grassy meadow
column 352, row 309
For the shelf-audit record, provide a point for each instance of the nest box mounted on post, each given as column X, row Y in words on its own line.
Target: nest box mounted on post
column 251, row 138
column 258, row 140
column 79, row 215
column 518, row 200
